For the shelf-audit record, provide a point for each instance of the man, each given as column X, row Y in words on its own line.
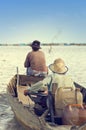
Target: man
column 35, row 61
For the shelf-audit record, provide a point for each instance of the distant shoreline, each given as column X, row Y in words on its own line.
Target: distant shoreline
column 47, row 44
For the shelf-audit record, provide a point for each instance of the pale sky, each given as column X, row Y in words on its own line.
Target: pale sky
column 60, row 21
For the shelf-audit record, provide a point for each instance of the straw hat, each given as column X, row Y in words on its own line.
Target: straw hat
column 58, row 66
column 36, row 44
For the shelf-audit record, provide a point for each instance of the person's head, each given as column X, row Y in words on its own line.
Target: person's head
column 35, row 45
column 58, row 66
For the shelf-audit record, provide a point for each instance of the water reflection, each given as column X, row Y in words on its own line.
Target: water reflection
column 7, row 119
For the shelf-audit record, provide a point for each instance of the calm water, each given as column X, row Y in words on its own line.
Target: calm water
column 12, row 57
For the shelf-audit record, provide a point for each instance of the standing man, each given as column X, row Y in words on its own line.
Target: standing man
column 35, row 61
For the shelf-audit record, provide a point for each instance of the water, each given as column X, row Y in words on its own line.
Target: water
column 12, row 57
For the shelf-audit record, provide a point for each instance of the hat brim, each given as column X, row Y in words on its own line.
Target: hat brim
column 51, row 67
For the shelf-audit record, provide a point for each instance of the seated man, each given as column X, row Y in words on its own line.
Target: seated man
column 35, row 61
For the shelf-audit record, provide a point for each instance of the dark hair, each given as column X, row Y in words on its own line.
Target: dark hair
column 35, row 49
column 35, row 44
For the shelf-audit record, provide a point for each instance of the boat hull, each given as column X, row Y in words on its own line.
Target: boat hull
column 26, row 116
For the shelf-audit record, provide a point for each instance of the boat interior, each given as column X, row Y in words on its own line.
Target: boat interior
column 70, row 113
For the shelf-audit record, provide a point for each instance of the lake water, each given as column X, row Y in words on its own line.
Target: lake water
column 12, row 57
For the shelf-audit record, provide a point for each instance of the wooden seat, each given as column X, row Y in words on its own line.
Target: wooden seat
column 25, row 80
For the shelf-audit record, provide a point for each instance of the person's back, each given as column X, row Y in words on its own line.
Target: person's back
column 35, row 60
column 63, row 80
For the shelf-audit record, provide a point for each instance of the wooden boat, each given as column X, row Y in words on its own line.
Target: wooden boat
column 23, row 106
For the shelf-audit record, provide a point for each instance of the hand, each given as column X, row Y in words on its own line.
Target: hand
column 46, row 92
column 25, row 92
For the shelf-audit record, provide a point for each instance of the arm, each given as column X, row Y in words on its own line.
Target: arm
column 36, row 87
column 41, row 85
column 27, row 62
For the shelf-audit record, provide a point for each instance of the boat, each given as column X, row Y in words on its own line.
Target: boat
column 23, row 106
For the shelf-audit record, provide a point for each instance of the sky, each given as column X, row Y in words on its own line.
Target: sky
column 49, row 21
